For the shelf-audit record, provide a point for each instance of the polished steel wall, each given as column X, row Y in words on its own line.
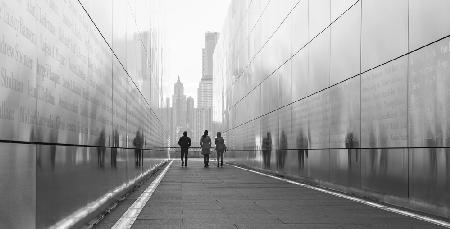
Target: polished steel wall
column 76, row 89
column 351, row 94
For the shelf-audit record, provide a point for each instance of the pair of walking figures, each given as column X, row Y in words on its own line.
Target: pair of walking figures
column 205, row 144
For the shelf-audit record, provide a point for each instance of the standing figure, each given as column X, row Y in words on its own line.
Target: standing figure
column 205, row 143
column 267, row 149
column 184, row 142
column 220, row 148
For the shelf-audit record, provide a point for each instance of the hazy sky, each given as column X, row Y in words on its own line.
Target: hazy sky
column 185, row 24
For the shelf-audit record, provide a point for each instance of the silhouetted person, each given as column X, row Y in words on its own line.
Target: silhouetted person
column 138, row 143
column 302, row 145
column 267, row 149
column 205, row 143
column 114, row 149
column 101, row 148
column 281, row 152
column 220, row 148
column 184, row 142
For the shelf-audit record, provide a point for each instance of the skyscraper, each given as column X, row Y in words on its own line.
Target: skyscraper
column 178, row 109
column 190, row 114
column 204, row 92
column 203, row 114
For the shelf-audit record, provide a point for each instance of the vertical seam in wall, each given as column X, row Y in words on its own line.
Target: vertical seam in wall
column 329, row 84
column 112, row 69
column 360, row 91
column 407, row 105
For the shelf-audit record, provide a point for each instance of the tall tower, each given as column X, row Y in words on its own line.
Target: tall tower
column 204, row 92
column 178, row 109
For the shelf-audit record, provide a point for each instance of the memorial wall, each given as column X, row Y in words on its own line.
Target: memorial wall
column 79, row 83
column 352, row 95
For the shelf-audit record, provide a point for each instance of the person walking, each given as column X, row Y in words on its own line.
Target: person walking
column 220, row 148
column 184, row 142
column 205, row 143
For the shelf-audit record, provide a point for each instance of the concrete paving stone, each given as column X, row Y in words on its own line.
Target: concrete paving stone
column 195, row 212
column 208, row 226
column 152, row 223
column 254, row 219
column 161, row 213
column 207, row 219
column 289, row 226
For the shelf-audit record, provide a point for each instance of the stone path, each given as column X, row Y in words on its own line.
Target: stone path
column 228, row 197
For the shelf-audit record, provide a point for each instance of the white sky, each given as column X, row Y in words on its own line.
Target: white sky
column 185, row 24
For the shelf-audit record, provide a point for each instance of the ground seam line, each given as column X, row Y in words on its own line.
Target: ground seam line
column 359, row 200
column 129, row 217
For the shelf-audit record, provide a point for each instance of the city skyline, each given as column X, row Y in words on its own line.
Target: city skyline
column 192, row 19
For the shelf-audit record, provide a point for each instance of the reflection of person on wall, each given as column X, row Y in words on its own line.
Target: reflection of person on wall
column 184, row 142
column 281, row 152
column 266, row 150
column 302, row 146
column 205, row 143
column 114, row 149
column 447, row 159
column 36, row 136
column 383, row 154
column 53, row 139
column 101, row 148
column 137, row 143
column 432, row 141
column 349, row 145
column 220, row 148
column 372, row 151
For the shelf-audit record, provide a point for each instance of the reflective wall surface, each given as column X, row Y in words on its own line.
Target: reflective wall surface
column 351, row 94
column 76, row 74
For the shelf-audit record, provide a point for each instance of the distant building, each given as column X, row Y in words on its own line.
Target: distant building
column 178, row 109
column 203, row 114
column 207, row 54
column 166, row 120
column 205, row 87
column 190, row 111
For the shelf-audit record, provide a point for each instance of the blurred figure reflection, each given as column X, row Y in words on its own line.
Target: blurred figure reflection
column 101, row 148
column 138, row 143
column 447, row 159
column 351, row 143
column 383, row 155
column 302, row 146
column 53, row 139
column 281, row 152
column 114, row 149
column 372, row 151
column 266, row 150
column 36, row 136
column 431, row 140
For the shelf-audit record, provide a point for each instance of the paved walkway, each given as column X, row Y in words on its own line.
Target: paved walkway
column 228, row 197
